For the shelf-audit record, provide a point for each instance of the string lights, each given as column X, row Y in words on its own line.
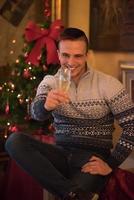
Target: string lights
column 17, row 92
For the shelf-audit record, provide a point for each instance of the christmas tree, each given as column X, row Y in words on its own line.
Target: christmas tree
column 38, row 59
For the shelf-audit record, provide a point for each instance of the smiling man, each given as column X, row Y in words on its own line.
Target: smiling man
column 81, row 161
column 74, row 56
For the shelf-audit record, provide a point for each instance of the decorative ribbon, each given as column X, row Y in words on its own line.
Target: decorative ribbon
column 43, row 38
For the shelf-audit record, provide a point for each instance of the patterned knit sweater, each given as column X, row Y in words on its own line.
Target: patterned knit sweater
column 87, row 121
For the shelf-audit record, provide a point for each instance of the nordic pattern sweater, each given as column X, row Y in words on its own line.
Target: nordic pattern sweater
column 87, row 121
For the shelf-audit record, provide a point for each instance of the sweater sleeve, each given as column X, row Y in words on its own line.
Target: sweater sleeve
column 38, row 111
column 123, row 110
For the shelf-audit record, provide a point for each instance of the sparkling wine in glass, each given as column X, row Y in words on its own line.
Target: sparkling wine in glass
column 64, row 79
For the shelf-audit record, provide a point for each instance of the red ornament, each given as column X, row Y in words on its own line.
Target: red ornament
column 26, row 73
column 47, row 12
column 1, row 88
column 7, row 109
column 13, row 128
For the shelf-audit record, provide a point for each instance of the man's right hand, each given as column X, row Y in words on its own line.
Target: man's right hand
column 55, row 98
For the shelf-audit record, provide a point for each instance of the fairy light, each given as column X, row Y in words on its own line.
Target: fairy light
column 21, row 100
column 24, row 45
column 8, row 123
column 30, row 68
column 12, row 86
column 18, row 96
column 27, row 100
column 13, row 41
column 17, row 61
column 11, row 52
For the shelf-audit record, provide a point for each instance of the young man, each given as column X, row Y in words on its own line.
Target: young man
column 81, row 160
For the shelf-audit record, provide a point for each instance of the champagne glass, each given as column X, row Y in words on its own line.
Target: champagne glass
column 64, row 78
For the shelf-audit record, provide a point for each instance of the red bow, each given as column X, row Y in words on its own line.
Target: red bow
column 43, row 37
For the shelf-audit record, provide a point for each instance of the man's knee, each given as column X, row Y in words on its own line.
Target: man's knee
column 14, row 142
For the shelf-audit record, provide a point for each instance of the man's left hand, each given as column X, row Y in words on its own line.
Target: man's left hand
column 96, row 166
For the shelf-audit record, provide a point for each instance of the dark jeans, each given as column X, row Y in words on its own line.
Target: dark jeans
column 56, row 168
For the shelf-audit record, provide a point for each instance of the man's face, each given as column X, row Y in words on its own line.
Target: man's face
column 73, row 54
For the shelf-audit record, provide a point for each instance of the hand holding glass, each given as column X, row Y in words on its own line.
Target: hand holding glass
column 64, row 79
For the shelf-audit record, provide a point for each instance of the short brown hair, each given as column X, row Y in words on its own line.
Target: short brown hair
column 74, row 34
